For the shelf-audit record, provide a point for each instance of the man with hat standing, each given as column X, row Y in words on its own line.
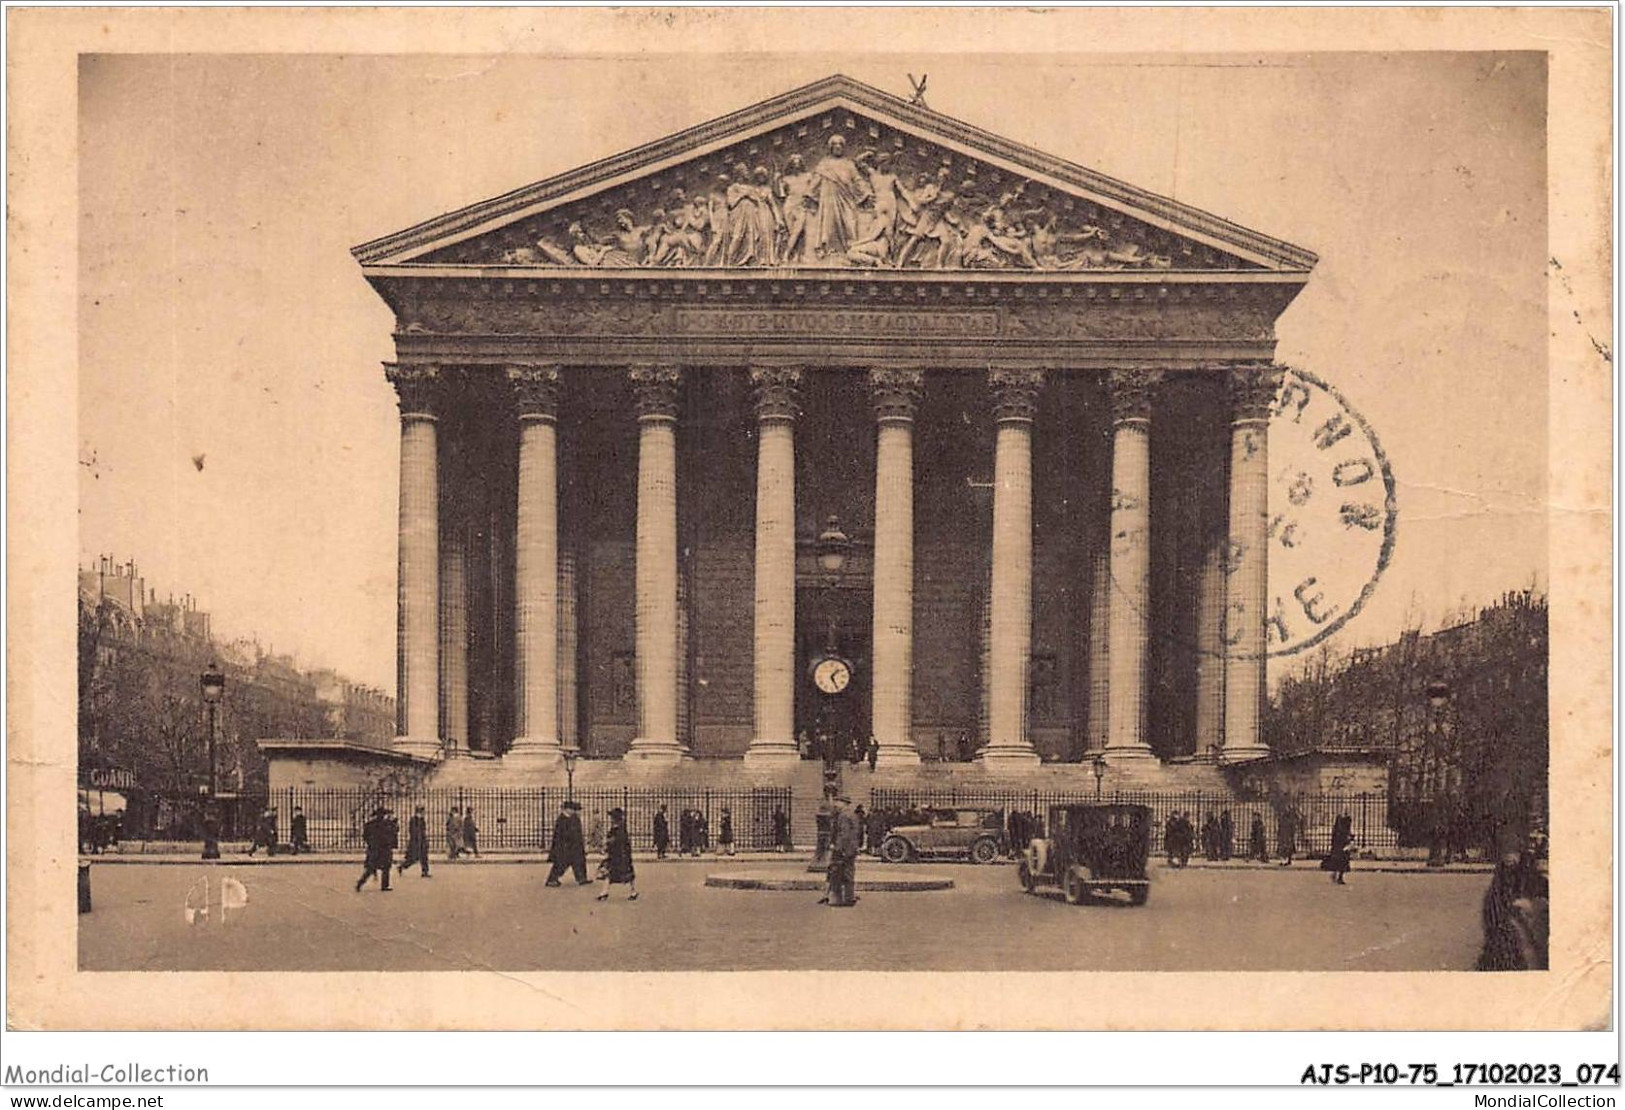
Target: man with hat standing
column 417, row 843
column 846, row 838
column 379, row 834
column 569, row 846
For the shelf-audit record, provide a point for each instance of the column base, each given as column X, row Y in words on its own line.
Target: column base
column 649, row 751
column 1243, row 753
column 418, row 747
column 897, row 755
column 531, row 751
column 1127, row 751
column 771, row 753
column 1008, row 756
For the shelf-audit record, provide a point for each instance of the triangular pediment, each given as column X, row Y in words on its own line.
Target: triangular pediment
column 836, row 175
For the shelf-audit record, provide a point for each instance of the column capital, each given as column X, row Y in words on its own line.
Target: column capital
column 535, row 389
column 778, row 390
column 1015, row 393
column 1132, row 392
column 656, row 385
column 895, row 392
column 417, row 388
column 1253, row 386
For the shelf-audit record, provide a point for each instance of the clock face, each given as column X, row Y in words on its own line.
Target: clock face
column 832, row 675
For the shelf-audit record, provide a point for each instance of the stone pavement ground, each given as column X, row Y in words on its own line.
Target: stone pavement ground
column 308, row 918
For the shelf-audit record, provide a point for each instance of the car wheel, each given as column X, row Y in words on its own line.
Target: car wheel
column 1024, row 872
column 1138, row 895
column 984, row 851
column 1074, row 889
column 894, row 850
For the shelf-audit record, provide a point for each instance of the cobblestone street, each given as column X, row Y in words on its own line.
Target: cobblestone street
column 499, row 916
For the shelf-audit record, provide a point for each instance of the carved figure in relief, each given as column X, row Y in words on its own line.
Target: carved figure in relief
column 877, row 225
column 931, row 202
column 839, row 188
column 991, row 244
column 717, row 245
column 794, row 190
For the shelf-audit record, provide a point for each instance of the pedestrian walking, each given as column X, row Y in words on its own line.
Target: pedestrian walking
column 1257, row 848
column 873, row 753
column 685, row 831
column 471, row 833
column 702, row 833
column 617, row 865
column 568, row 850
column 379, row 836
column 454, row 832
column 863, row 827
column 1227, row 835
column 1286, row 835
column 781, row 829
column 1170, row 838
column 662, row 834
column 417, row 843
column 725, row 834
column 1337, row 860
column 298, row 832
column 845, row 838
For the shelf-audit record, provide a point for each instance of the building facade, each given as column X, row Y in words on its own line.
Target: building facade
column 834, row 415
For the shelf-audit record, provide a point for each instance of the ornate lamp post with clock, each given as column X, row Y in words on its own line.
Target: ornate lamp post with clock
column 831, row 674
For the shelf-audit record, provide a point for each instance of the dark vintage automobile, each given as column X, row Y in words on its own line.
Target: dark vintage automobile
column 973, row 832
column 1091, row 849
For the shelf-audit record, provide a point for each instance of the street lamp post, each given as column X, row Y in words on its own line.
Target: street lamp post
column 213, row 685
column 1100, row 774
column 571, row 754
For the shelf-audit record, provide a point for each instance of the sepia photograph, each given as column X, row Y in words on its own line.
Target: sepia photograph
column 1072, row 511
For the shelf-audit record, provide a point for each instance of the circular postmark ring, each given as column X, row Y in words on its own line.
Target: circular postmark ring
column 1314, row 447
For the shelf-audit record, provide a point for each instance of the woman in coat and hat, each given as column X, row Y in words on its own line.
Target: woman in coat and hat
column 617, row 866
column 1337, row 861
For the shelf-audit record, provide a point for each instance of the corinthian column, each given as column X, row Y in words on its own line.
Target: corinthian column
column 418, row 589
column 656, row 389
column 1252, row 390
column 775, row 615
column 1128, row 611
column 536, row 566
column 895, row 393
column 1010, row 620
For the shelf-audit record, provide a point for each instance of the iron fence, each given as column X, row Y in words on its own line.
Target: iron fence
column 1368, row 813
column 522, row 819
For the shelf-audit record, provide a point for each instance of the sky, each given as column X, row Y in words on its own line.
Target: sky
column 237, row 438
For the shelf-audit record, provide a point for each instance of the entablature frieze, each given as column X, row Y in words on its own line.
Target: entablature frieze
column 881, row 314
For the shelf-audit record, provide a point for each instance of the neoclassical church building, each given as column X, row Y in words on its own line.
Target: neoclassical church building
column 831, row 416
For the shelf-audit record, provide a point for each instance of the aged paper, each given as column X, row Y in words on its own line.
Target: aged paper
column 73, row 72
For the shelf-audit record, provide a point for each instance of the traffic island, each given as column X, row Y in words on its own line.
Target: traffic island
column 892, row 880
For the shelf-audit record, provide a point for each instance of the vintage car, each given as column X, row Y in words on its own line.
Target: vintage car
column 1091, row 849
column 976, row 832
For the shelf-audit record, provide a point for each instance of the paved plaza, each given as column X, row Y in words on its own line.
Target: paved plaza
column 500, row 917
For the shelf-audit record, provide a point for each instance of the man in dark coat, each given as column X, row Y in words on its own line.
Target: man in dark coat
column 379, row 836
column 471, row 832
column 1227, row 835
column 781, row 829
column 417, row 843
column 725, row 835
column 1170, row 839
column 1286, row 835
column 569, row 847
column 662, row 834
column 844, row 843
column 299, row 833
column 1257, row 847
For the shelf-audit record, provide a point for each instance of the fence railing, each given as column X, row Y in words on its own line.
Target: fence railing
column 522, row 819
column 1368, row 813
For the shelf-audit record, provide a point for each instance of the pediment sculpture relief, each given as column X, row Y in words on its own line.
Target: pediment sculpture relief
column 856, row 196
